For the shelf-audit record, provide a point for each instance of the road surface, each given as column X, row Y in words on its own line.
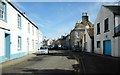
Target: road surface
column 57, row 62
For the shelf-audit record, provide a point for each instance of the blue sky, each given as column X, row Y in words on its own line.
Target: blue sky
column 57, row 18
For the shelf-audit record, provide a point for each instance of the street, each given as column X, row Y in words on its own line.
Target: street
column 56, row 62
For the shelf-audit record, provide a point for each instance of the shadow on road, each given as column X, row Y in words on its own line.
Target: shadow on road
column 43, row 72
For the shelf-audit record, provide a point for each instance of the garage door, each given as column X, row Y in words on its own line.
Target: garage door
column 107, row 47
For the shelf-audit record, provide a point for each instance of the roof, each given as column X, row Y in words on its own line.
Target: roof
column 21, row 13
column 113, row 8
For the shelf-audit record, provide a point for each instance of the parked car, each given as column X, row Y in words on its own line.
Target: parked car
column 76, row 49
column 43, row 50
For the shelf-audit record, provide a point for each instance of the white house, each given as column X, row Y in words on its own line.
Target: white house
column 18, row 35
column 107, row 31
column 88, row 40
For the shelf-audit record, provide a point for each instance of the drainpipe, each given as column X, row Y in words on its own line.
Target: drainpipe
column 114, row 35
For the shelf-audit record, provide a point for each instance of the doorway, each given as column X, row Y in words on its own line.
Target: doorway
column 7, row 45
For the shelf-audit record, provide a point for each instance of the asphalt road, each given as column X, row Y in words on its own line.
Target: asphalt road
column 57, row 62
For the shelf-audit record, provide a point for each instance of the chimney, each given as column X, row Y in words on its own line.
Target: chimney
column 84, row 16
column 24, row 14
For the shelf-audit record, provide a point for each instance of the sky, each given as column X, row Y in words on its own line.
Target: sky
column 55, row 19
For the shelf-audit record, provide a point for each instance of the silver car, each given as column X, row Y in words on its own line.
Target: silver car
column 43, row 50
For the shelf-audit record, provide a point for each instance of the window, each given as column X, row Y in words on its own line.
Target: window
column 28, row 27
column 98, row 44
column 32, row 30
column 106, row 25
column 77, row 34
column 19, row 43
column 36, row 32
column 19, row 21
column 98, row 28
column 2, row 10
column 33, row 44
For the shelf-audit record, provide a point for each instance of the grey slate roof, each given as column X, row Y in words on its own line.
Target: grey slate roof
column 114, row 8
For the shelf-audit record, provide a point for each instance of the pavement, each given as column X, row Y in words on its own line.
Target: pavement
column 91, row 63
column 17, row 60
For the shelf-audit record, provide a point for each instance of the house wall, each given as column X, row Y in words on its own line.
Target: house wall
column 14, row 32
column 89, row 42
column 117, row 39
column 117, row 20
column 116, row 46
column 103, row 14
column 68, row 41
column 72, row 39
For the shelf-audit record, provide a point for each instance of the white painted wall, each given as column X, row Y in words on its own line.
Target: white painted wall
column 15, row 32
column 89, row 42
column 102, row 15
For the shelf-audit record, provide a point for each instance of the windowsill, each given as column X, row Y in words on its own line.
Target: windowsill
column 3, row 20
column 19, row 49
column 20, row 28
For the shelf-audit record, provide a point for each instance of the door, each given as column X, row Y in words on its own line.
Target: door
column 107, row 47
column 7, row 45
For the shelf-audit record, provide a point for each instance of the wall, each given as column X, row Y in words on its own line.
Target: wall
column 11, row 24
column 89, row 42
column 103, row 14
column 117, row 20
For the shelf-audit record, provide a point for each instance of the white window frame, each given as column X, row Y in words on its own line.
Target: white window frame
column 28, row 27
column 77, row 34
column 32, row 30
column 2, row 10
column 32, row 44
column 19, row 21
column 19, row 42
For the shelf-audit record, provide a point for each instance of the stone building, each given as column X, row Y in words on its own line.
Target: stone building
column 77, row 33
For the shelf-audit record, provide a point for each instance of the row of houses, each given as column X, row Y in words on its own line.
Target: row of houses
column 102, row 37
column 19, row 36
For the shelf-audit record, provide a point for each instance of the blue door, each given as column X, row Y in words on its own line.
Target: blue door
column 7, row 45
column 107, row 47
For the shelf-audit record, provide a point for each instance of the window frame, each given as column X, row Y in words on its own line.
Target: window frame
column 77, row 33
column 98, row 28
column 106, row 25
column 32, row 43
column 3, row 13
column 19, row 21
column 98, row 44
column 28, row 27
column 19, row 44
column 32, row 30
